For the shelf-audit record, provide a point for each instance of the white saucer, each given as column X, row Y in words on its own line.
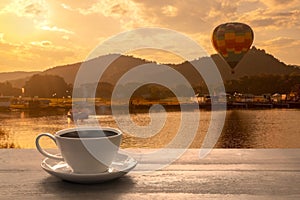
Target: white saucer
column 121, row 165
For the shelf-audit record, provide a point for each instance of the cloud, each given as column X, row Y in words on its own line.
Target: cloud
column 33, row 55
column 7, row 46
column 65, row 37
column 281, row 42
column 277, row 14
column 192, row 16
column 36, row 55
column 197, row 18
column 266, row 18
column 36, row 9
column 44, row 43
column 118, row 10
column 279, row 3
column 107, row 8
column 276, row 23
column 56, row 29
column 284, row 48
column 263, row 22
column 169, row 11
column 67, row 7
column 187, row 16
column 159, row 56
column 129, row 13
column 1, row 37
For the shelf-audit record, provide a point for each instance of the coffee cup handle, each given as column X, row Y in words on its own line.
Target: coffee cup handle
column 42, row 151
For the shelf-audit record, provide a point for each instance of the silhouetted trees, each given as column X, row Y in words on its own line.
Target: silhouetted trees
column 152, row 92
column 296, row 91
column 263, row 84
column 50, row 86
column 89, row 90
column 6, row 89
column 104, row 90
column 46, row 86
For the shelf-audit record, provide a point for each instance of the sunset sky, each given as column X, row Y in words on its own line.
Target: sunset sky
column 39, row 34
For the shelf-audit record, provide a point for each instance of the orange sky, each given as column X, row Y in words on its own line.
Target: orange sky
column 38, row 34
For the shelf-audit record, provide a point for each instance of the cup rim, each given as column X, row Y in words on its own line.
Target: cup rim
column 66, row 130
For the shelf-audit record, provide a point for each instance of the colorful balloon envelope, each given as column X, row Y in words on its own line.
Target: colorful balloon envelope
column 232, row 41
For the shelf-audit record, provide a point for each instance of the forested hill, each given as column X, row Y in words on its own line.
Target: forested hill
column 255, row 62
column 8, row 76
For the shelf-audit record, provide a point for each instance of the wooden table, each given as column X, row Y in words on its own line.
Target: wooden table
column 223, row 174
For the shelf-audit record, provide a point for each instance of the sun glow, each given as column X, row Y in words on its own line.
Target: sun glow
column 74, row 28
column 159, row 56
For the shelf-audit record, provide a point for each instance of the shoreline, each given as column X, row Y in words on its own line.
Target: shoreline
column 105, row 108
column 104, row 105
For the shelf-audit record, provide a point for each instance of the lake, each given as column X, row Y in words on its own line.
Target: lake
column 268, row 128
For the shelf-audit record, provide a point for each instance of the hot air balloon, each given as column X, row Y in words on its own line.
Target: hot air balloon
column 232, row 41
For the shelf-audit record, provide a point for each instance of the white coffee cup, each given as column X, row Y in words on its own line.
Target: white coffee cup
column 87, row 150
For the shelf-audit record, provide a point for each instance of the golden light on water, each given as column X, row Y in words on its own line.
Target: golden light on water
column 243, row 129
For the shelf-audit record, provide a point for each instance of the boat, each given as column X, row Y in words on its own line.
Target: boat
column 77, row 115
column 29, row 103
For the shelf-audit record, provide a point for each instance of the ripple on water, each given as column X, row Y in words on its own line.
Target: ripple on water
column 273, row 128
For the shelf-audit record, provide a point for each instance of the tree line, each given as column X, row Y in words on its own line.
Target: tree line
column 264, row 84
column 53, row 86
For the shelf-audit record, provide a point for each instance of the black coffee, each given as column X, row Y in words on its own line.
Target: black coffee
column 88, row 134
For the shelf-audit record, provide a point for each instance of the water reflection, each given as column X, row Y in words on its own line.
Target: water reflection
column 243, row 128
column 5, row 141
column 237, row 131
column 22, row 115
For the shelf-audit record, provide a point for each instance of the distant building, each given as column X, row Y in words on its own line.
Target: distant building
column 276, row 98
column 206, row 98
column 239, row 97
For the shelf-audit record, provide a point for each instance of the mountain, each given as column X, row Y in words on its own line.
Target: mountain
column 116, row 69
column 255, row 62
column 8, row 76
